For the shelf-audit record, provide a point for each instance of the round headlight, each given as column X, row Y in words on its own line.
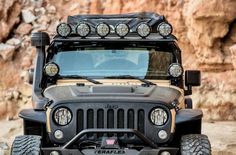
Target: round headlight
column 158, row 116
column 62, row 116
column 175, row 70
column 143, row 30
column 83, row 29
column 103, row 29
column 164, row 29
column 122, row 30
column 51, row 69
column 64, row 29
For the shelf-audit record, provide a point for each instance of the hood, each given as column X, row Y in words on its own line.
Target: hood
column 104, row 93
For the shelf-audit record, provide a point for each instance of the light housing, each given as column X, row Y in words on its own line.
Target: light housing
column 143, row 29
column 64, row 29
column 102, row 29
column 83, row 29
column 51, row 69
column 158, row 116
column 164, row 29
column 62, row 116
column 175, row 70
column 122, row 30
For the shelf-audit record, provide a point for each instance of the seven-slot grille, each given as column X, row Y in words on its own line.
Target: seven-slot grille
column 111, row 118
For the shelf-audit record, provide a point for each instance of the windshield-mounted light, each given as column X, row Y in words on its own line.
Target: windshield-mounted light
column 83, row 30
column 164, row 29
column 122, row 30
column 143, row 30
column 51, row 69
column 64, row 30
column 175, row 70
column 103, row 29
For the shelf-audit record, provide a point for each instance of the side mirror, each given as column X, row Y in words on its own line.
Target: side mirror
column 192, row 78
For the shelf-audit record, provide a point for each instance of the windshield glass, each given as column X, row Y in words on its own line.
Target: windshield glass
column 101, row 63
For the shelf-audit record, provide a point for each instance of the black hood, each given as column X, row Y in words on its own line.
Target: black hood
column 100, row 93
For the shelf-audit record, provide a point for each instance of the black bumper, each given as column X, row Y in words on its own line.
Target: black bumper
column 151, row 149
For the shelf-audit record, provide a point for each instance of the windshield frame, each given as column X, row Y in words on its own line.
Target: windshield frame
column 170, row 46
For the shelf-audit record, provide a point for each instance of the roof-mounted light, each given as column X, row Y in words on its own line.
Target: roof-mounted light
column 122, row 30
column 64, row 30
column 164, row 29
column 143, row 30
column 103, row 29
column 83, row 30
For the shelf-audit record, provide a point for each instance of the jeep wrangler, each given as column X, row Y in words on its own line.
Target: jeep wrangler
column 111, row 84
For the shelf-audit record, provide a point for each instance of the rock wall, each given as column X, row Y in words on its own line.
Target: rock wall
column 205, row 30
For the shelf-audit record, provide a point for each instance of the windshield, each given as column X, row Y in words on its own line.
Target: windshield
column 101, row 63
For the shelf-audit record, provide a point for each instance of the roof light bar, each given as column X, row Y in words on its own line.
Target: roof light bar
column 164, row 29
column 103, row 29
column 143, row 30
column 83, row 29
column 64, row 30
column 122, row 30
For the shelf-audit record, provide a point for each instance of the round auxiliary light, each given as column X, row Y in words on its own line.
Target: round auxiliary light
column 164, row 29
column 103, row 29
column 64, row 29
column 62, row 116
column 162, row 134
column 158, row 116
column 122, row 30
column 54, row 153
column 175, row 70
column 83, row 29
column 51, row 69
column 58, row 134
column 143, row 30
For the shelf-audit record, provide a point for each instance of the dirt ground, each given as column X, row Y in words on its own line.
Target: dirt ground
column 221, row 134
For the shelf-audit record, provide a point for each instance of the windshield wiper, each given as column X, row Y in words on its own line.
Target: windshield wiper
column 80, row 77
column 131, row 77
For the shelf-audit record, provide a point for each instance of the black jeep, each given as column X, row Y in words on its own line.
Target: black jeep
column 111, row 84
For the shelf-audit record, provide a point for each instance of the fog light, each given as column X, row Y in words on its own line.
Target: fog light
column 162, row 134
column 58, row 134
column 165, row 153
column 54, row 153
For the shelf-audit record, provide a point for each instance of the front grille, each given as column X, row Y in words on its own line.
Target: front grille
column 111, row 118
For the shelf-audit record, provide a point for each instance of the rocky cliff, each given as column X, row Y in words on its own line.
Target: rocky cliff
column 205, row 30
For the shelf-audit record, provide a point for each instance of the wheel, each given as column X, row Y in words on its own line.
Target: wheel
column 195, row 144
column 26, row 145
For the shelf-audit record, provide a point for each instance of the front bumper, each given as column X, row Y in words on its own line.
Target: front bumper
column 151, row 149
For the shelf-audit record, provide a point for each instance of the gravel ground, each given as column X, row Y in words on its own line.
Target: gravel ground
column 221, row 134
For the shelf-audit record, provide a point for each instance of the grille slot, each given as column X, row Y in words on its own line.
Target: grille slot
column 111, row 118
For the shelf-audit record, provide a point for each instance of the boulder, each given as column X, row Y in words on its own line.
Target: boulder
column 28, row 16
column 6, row 51
column 23, row 29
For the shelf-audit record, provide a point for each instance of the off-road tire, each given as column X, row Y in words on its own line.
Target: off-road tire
column 26, row 145
column 195, row 144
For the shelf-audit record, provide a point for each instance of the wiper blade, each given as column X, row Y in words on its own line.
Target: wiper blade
column 80, row 77
column 131, row 77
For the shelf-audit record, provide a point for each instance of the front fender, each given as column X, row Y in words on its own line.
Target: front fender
column 188, row 115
